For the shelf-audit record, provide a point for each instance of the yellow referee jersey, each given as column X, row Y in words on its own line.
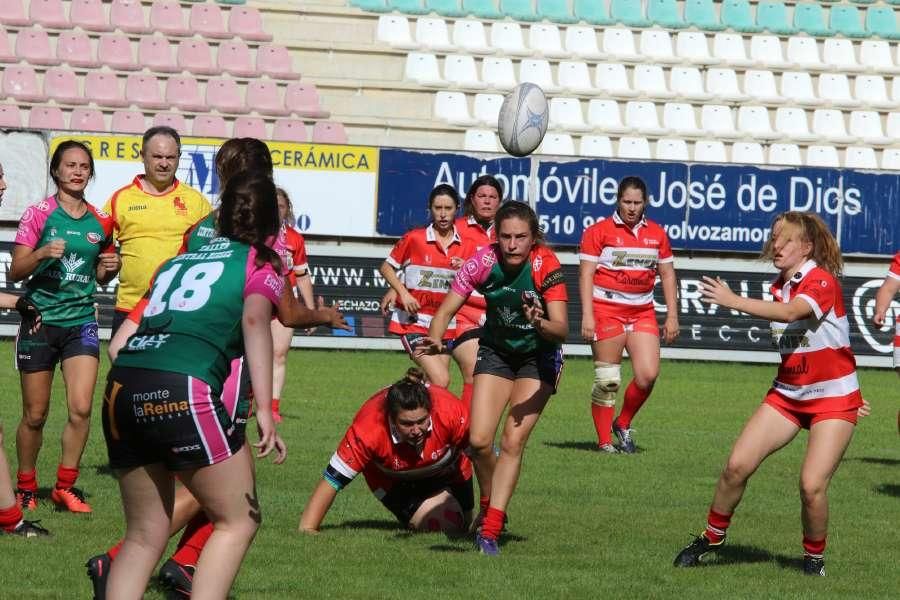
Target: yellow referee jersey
column 149, row 230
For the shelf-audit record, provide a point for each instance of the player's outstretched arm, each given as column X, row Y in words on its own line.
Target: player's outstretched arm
column 883, row 298
column 716, row 291
column 258, row 353
column 127, row 329
column 432, row 344
column 317, row 507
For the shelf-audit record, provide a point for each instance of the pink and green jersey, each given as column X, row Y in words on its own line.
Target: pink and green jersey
column 191, row 321
column 63, row 288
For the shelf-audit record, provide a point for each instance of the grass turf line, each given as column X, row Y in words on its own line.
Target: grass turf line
column 582, row 524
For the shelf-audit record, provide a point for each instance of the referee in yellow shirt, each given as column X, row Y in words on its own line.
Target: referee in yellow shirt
column 151, row 215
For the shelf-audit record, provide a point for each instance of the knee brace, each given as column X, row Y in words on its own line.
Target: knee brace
column 607, row 378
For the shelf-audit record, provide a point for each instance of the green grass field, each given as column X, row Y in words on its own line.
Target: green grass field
column 582, row 524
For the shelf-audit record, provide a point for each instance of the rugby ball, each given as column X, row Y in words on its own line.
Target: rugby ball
column 523, row 119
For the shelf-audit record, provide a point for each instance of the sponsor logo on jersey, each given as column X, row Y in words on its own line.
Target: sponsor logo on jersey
column 102, row 214
column 160, row 409
column 180, row 206
column 206, row 232
column 141, row 342
column 538, row 263
column 136, row 207
column 27, row 215
column 72, row 262
column 191, row 448
column 632, row 259
column 94, row 237
column 43, row 205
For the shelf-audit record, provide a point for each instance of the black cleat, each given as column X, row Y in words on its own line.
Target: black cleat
column 29, row 529
column 692, row 553
column 98, row 570
column 177, row 579
column 814, row 565
column 626, row 441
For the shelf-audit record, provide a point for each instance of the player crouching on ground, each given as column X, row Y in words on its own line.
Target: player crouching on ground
column 816, row 387
column 408, row 441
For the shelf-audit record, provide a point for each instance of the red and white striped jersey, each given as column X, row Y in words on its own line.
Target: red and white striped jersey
column 428, row 271
column 894, row 273
column 627, row 259
column 817, row 365
column 291, row 248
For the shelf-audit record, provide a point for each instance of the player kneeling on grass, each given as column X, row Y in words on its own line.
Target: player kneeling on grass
column 816, row 386
column 408, row 441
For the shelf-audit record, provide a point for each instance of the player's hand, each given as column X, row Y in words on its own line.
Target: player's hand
column 388, row 301
column 878, row 317
column 30, row 313
column 426, row 346
column 268, row 437
column 716, row 291
column 670, row 328
column 410, row 304
column 588, row 326
column 865, row 410
column 109, row 262
column 533, row 312
column 335, row 317
column 54, row 249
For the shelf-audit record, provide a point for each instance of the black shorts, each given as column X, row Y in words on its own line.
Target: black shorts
column 41, row 350
column 406, row 497
column 545, row 366
column 154, row 416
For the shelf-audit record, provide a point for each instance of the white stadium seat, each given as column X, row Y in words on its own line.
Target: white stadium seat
column 545, row 39
column 693, row 47
column 537, row 71
column 710, row 151
column 890, row 159
column 612, row 79
column 803, row 52
column 453, row 108
column 860, row 157
column 718, row 120
column 765, row 50
column 497, row 72
column 469, row 35
column 650, row 81
column 793, row 123
column 460, row 72
column 753, row 121
column 394, row 30
column 582, row 42
column 642, row 117
column 486, row 108
column 871, row 90
column 481, row 140
column 656, row 46
column 840, row 55
column 866, row 125
column 507, row 38
column 575, row 77
column 750, row 153
column 760, row 85
column 634, row 147
column 892, row 126
column 822, row 156
column 618, row 43
column 605, row 115
column 672, row 149
column 875, row 55
column 729, row 49
column 681, row 119
column 797, row 86
column 596, row 145
column 688, row 83
column 423, row 69
column 565, row 113
column 557, row 143
column 785, row 154
column 829, row 124
column 722, row 84
column 432, row 34
column 835, row 89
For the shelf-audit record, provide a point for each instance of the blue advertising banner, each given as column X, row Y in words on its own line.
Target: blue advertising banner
column 715, row 207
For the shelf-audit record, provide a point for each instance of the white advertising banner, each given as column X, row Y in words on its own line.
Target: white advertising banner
column 332, row 188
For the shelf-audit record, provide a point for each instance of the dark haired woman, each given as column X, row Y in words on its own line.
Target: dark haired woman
column 63, row 247
column 816, row 387
column 429, row 257
column 408, row 442
column 519, row 354
column 621, row 256
column 163, row 413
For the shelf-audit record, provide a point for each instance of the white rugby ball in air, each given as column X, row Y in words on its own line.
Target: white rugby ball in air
column 523, row 119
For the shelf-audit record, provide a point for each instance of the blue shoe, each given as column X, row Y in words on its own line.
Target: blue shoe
column 626, row 442
column 487, row 546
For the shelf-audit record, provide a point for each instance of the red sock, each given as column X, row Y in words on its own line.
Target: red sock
column 192, row 540
column 27, row 481
column 66, row 477
column 716, row 525
column 275, row 403
column 814, row 547
column 484, row 501
column 467, row 396
column 603, row 418
column 114, row 551
column 634, row 400
column 493, row 523
column 10, row 517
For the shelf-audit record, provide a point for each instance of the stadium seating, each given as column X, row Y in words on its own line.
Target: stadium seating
column 233, row 57
column 224, row 95
column 537, row 71
column 618, row 43
column 839, row 54
column 446, row 8
column 174, row 120
column 810, row 18
column 650, row 81
column 155, row 53
column 599, row 146
column 21, row 83
column 12, row 12
column 520, row 10
column 793, row 123
column 729, row 49
column 693, row 47
column 772, row 16
column 710, row 151
column 748, row 152
column 595, row 12
column 565, row 114
column 890, row 159
column 628, row 12
column 329, row 132
column 483, row 9
column 829, row 125
column 672, row 149
column 880, row 21
column 114, row 51
column 486, row 108
column 422, row 68
column 875, row 55
column 195, row 56
column 866, row 126
column 498, row 73
column 207, row 20
column 460, row 72
column 289, row 130
column 702, row 15
column 183, row 92
column 213, row 126
column 753, row 122
column 166, row 17
column 453, row 108
column 575, row 78
column 89, row 15
column 469, row 36
column 604, row 115
column 860, row 157
column 718, row 120
column 246, row 22
column 48, row 13
column 665, row 14
column 432, row 34
column 612, row 79
column 264, row 97
column 142, row 89
column 128, row 121
column 736, row 15
column 822, row 156
column 127, row 16
column 784, row 154
column 766, row 50
column 33, row 47
column 302, row 99
column 104, row 89
column 656, row 45
column 545, row 39
column 87, row 119
column 688, row 83
column 480, row 140
column 681, row 120
column 560, row 144
column 556, row 11
column 507, row 38
column 760, row 85
column 633, row 147
column 61, row 85
column 642, row 117
column 845, row 20
column 254, row 127
column 275, row 61
column 46, row 117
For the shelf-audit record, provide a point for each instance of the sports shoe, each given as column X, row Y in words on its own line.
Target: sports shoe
column 98, row 570
column 475, row 525
column 486, row 546
column 814, row 565
column 623, row 434
column 27, row 499
column 29, row 529
column 607, row 449
column 70, row 499
column 177, row 578
column 693, row 552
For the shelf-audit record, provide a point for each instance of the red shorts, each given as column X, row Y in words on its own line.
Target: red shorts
column 469, row 317
column 612, row 321
column 803, row 419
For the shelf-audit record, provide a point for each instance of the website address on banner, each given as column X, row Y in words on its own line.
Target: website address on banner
column 348, row 277
column 717, row 233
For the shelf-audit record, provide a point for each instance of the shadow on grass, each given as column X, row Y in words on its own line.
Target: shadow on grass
column 733, row 554
column 573, row 445
column 877, row 460
column 465, row 543
column 103, row 470
column 376, row 524
column 888, row 489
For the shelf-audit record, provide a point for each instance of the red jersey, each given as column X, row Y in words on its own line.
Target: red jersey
column 470, row 229
column 818, row 370
column 428, row 270
column 291, row 248
column 371, row 447
column 627, row 260
column 894, row 273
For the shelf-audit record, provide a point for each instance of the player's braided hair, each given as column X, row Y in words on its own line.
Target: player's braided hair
column 248, row 213
column 409, row 393
column 243, row 154
column 812, row 229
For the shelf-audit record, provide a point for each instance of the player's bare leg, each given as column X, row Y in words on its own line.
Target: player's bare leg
column 465, row 355
column 436, row 367
column 488, row 403
column 281, row 345
column 30, row 433
column 607, row 355
column 643, row 350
